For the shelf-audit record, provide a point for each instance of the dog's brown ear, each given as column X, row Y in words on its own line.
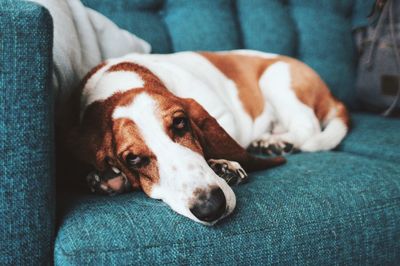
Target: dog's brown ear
column 86, row 148
column 91, row 140
column 217, row 144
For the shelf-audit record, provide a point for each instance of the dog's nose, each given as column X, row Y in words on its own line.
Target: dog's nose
column 209, row 206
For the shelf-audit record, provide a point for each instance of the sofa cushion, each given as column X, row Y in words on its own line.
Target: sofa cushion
column 373, row 136
column 318, row 209
column 267, row 26
column 202, row 25
column 27, row 204
column 326, row 44
column 139, row 17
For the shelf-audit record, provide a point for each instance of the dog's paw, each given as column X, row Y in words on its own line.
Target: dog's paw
column 110, row 182
column 230, row 171
column 272, row 147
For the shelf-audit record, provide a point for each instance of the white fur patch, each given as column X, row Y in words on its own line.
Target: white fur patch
column 102, row 87
column 297, row 122
column 329, row 138
column 292, row 115
column 181, row 170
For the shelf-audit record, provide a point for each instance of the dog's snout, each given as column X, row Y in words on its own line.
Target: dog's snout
column 209, row 206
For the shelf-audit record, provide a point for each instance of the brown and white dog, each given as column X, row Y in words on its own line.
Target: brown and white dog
column 168, row 124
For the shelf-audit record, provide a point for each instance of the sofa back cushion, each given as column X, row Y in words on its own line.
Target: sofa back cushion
column 317, row 32
column 325, row 42
column 267, row 26
column 202, row 25
column 143, row 18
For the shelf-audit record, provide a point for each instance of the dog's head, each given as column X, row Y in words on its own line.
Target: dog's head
column 162, row 143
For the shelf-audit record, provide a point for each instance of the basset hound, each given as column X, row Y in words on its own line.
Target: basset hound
column 174, row 124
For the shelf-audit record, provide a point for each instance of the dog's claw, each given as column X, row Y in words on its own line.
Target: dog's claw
column 243, row 174
column 230, row 171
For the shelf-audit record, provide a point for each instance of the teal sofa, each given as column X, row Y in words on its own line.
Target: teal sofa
column 330, row 208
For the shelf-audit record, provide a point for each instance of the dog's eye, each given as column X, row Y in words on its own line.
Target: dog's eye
column 133, row 160
column 108, row 160
column 180, row 123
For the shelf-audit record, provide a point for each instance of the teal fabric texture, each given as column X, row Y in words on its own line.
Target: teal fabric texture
column 325, row 43
column 319, row 209
column 361, row 9
column 317, row 32
column 139, row 17
column 202, row 25
column 338, row 207
column 26, row 159
column 374, row 137
column 267, row 26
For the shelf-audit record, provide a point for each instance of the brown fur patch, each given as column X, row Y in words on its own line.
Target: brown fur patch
column 343, row 113
column 92, row 72
column 310, row 88
column 245, row 71
column 313, row 91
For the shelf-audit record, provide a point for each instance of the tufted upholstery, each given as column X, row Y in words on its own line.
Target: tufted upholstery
column 293, row 27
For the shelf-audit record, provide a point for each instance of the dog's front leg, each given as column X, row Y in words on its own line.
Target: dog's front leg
column 230, row 171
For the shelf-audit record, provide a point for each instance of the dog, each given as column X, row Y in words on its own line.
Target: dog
column 177, row 125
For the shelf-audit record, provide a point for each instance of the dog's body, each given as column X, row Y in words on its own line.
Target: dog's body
column 251, row 94
column 262, row 100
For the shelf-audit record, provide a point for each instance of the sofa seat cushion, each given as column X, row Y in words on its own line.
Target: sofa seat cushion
column 373, row 136
column 320, row 208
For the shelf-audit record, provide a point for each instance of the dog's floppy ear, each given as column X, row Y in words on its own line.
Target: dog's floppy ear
column 90, row 140
column 217, row 144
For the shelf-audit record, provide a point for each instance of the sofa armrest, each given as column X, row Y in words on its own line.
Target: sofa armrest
column 26, row 134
